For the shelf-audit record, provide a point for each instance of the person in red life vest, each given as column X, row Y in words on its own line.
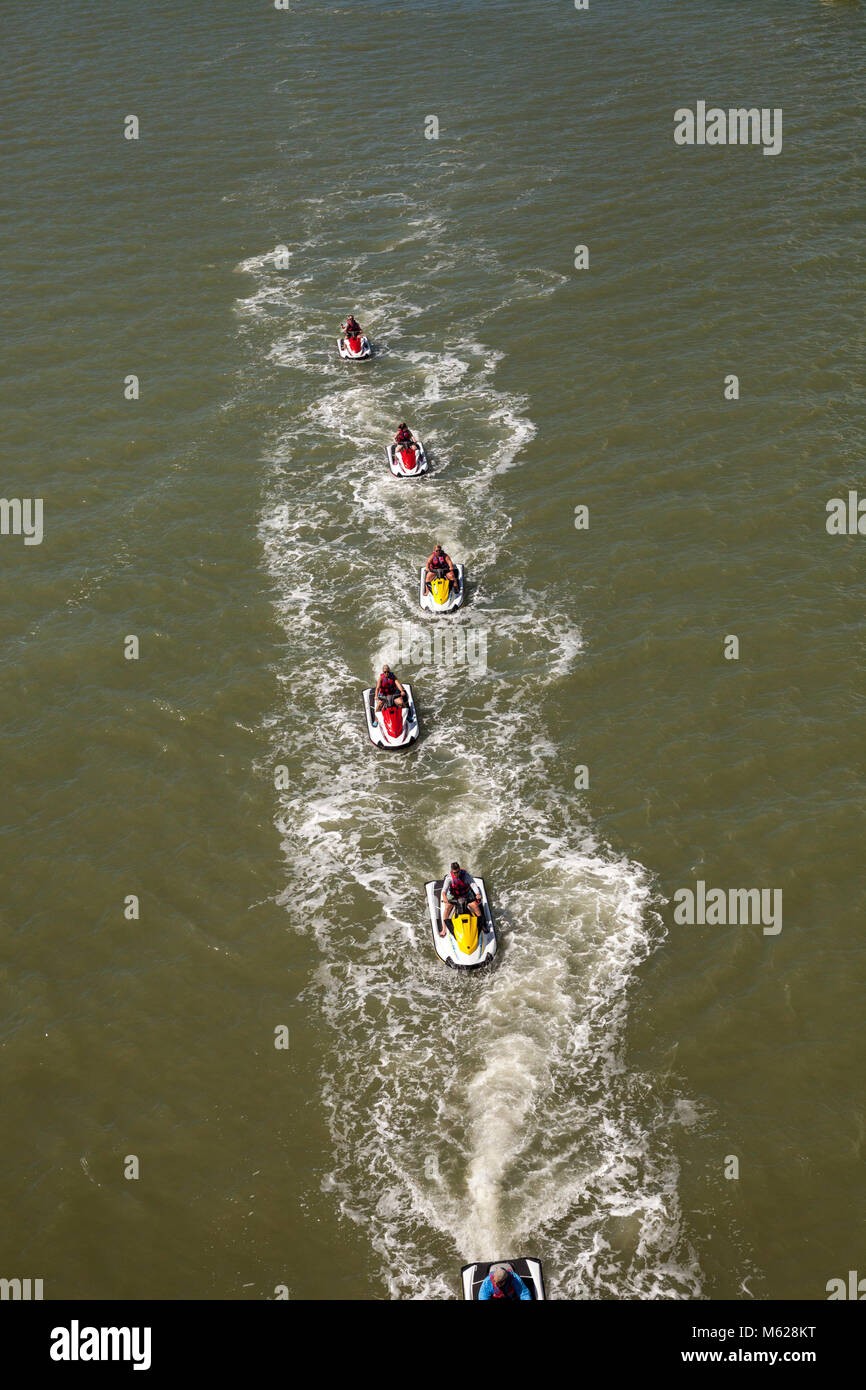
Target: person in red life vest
column 404, row 435
column 502, row 1282
column 458, row 890
column 439, row 566
column 351, row 327
column 389, row 691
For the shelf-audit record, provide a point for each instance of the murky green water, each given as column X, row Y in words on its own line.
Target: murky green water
column 583, row 1101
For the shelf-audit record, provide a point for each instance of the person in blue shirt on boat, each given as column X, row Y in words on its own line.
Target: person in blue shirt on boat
column 502, row 1282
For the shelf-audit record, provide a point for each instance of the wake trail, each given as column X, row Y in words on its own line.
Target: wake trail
column 470, row 1117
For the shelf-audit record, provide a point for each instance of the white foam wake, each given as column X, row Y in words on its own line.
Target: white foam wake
column 471, row 1118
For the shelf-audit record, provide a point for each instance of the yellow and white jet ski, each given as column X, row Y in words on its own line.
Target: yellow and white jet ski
column 528, row 1269
column 469, row 941
column 442, row 596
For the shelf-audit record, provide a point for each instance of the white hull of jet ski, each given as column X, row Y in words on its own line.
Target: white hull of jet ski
column 445, row 946
column 455, row 596
column 376, row 725
column 346, row 353
column 398, row 468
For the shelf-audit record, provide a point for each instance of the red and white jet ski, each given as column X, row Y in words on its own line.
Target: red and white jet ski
column 354, row 349
column 407, row 460
column 394, row 726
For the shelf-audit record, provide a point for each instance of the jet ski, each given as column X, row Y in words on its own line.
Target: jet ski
column 473, row 1277
column 407, row 460
column 394, row 726
column 354, row 349
column 442, row 596
column 469, row 941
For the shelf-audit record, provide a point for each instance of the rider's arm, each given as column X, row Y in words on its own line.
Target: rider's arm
column 486, row 1290
column 525, row 1295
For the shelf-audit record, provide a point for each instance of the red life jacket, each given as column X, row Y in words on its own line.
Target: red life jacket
column 459, row 884
column 439, row 563
column 509, row 1290
column 387, row 685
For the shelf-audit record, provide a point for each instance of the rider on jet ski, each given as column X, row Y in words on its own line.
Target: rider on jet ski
column 439, row 566
column 502, row 1282
column 404, row 436
column 351, row 327
column 389, row 691
column 458, row 889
